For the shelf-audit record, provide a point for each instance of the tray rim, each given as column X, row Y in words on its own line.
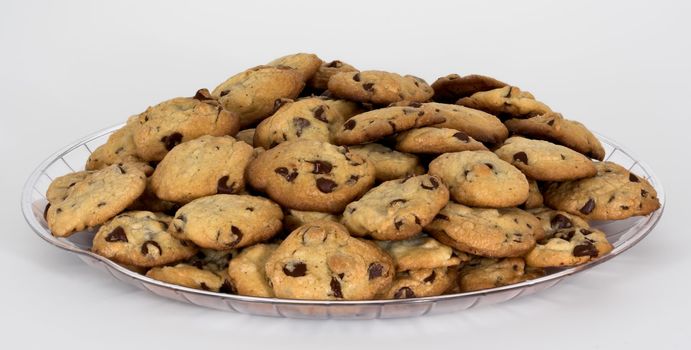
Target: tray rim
column 26, row 205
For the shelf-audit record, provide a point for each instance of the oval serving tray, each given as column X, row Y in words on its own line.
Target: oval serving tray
column 622, row 234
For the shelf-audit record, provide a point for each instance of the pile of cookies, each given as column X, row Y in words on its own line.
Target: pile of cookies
column 307, row 179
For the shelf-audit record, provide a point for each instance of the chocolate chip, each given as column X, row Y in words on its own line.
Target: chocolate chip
column 393, row 125
column 224, row 92
column 222, row 186
column 299, row 269
column 490, row 166
column 227, row 288
column 633, row 178
column 644, row 193
column 321, row 167
column 521, row 157
column 352, row 180
column 420, row 113
column 349, row 125
column 237, row 232
column 404, row 293
column 461, row 136
column 434, row 183
column 325, row 185
column 117, row 235
column 145, row 247
column 336, row 288
column 585, row 232
column 121, row 169
column 204, row 286
column 417, row 220
column 588, row 207
column 249, row 209
column 585, row 249
column 560, row 221
column 624, row 207
column 368, row 86
column 335, row 64
column 300, row 123
column 415, row 104
column 567, row 235
column 289, row 176
column 202, row 95
column 356, row 77
column 441, row 217
column 319, row 114
column 396, row 201
column 280, row 102
column 172, row 140
column 375, row 270
column 101, row 204
column 398, row 224
column 430, row 278
column 551, row 122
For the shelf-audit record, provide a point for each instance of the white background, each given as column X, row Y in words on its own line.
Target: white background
column 69, row 68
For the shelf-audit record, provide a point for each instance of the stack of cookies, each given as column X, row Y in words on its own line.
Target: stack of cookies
column 306, row 179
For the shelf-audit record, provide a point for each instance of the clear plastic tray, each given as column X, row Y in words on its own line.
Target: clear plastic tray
column 622, row 234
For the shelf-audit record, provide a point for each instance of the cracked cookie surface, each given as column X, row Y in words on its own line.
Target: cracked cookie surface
column 311, row 175
column 167, row 124
column 613, row 194
column 204, row 166
column 481, row 179
column 140, row 238
column 225, row 221
column 321, row 261
column 505, row 232
column 379, row 87
column 396, row 209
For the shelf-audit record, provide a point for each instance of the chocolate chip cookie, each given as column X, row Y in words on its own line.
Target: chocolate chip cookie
column 225, row 221
column 545, row 161
column 496, row 233
column 95, row 199
column 247, row 271
column 613, row 194
column 421, row 252
column 311, row 118
column 193, row 277
column 569, row 242
column 555, row 128
column 251, row 94
column 321, row 261
column 484, row 273
column 305, row 63
column 396, row 209
column 164, row 126
column 379, row 87
column 477, row 124
column 481, row 179
column 311, row 175
column 450, row 88
column 320, row 80
column 432, row 140
column 389, row 164
column 140, row 238
column 421, row 283
column 119, row 148
column 506, row 102
column 202, row 167
column 379, row 123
